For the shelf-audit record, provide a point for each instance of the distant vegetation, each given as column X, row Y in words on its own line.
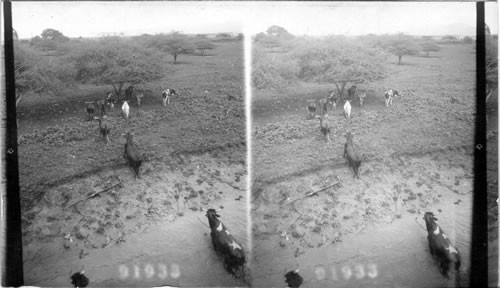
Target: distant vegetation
column 51, row 62
column 281, row 59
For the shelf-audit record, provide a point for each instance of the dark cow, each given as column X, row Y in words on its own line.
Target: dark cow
column 225, row 244
column 129, row 92
column 90, row 109
column 352, row 155
column 440, row 246
column 104, row 128
column 388, row 96
column 351, row 92
column 166, row 94
column 293, row 279
column 132, row 154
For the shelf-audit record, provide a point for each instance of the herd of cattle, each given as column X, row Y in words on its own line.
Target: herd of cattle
column 439, row 245
column 223, row 242
column 319, row 109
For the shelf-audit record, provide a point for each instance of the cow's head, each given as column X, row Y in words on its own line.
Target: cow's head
column 128, row 136
column 430, row 221
column 212, row 216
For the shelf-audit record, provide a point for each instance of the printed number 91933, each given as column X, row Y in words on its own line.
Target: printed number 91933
column 149, row 271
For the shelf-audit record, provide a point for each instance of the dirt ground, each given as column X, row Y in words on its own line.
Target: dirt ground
column 195, row 155
column 417, row 156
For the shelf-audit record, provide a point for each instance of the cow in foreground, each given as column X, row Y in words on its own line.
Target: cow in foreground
column 388, row 96
column 350, row 151
column 347, row 109
column 125, row 109
column 440, row 246
column 166, row 94
column 224, row 244
column 132, row 154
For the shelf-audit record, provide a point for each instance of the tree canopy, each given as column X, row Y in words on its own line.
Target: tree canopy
column 174, row 44
column 111, row 61
column 401, row 45
column 429, row 46
column 204, row 44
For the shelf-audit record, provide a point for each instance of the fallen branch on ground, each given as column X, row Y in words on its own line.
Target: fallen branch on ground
column 312, row 193
column 94, row 194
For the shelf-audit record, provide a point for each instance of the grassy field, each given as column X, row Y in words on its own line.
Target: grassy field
column 417, row 156
column 194, row 150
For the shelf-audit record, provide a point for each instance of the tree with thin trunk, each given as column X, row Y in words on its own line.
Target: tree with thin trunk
column 174, row 44
column 204, row 44
column 401, row 45
column 430, row 46
column 116, row 62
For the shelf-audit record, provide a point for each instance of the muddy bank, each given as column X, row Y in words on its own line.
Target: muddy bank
column 364, row 221
column 153, row 221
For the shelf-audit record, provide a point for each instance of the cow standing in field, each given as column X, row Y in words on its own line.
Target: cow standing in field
column 332, row 99
column 224, row 244
column 325, row 127
column 351, row 92
column 90, row 109
column 104, row 127
column 440, row 246
column 388, row 96
column 347, row 109
column 311, row 108
column 361, row 96
column 101, row 105
column 139, row 97
column 322, row 106
column 166, row 94
column 132, row 154
column 350, row 151
column 129, row 92
column 111, row 100
column 125, row 109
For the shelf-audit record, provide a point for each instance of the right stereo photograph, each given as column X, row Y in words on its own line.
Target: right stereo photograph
column 363, row 126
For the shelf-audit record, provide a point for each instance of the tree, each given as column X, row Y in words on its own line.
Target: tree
column 33, row 74
column 401, row 45
column 430, row 46
column 113, row 61
column 174, row 44
column 52, row 34
column 339, row 61
column 279, row 32
column 204, row 44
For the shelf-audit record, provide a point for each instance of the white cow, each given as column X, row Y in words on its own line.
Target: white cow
column 125, row 109
column 347, row 109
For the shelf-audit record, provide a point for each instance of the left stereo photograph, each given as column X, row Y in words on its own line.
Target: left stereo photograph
column 132, row 144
